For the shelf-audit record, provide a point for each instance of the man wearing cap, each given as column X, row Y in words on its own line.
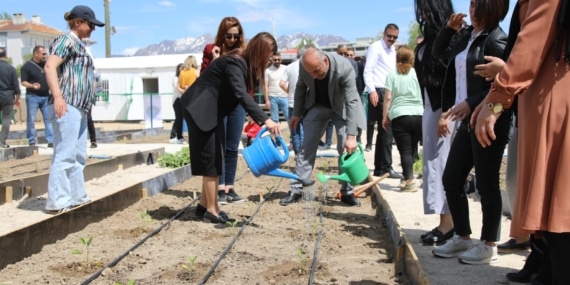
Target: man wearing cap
column 73, row 93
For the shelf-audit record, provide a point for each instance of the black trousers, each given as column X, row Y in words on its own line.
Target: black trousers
column 465, row 153
column 178, row 120
column 384, row 138
column 407, row 133
column 91, row 128
column 558, row 247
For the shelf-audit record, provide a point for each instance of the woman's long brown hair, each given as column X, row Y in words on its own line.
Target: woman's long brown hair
column 257, row 54
column 226, row 24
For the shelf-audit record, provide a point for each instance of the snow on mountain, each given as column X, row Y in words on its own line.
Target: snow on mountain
column 196, row 44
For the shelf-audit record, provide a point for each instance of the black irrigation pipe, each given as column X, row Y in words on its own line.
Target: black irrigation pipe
column 233, row 241
column 157, row 230
column 316, row 250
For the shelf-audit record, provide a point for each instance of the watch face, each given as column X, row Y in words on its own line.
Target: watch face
column 498, row 108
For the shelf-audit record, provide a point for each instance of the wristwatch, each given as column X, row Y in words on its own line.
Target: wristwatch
column 495, row 107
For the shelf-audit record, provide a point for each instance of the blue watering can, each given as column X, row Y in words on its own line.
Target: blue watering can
column 264, row 158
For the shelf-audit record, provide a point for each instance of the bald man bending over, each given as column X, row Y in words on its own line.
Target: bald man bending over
column 332, row 95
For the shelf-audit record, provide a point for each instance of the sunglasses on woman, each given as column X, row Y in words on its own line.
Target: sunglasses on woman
column 234, row 36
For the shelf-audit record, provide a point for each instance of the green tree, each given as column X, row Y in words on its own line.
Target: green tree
column 5, row 16
column 413, row 33
column 305, row 42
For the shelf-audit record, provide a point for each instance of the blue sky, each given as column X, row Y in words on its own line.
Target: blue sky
column 143, row 22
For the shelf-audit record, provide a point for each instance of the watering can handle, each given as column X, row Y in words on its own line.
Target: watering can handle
column 283, row 145
column 345, row 155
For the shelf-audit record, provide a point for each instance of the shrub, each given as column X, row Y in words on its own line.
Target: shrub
column 175, row 160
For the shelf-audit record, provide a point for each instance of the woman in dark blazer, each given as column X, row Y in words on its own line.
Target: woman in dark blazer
column 230, row 36
column 462, row 49
column 225, row 84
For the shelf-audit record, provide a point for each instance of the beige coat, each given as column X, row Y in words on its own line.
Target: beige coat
column 543, row 86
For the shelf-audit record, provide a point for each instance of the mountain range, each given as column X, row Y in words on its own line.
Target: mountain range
column 196, row 44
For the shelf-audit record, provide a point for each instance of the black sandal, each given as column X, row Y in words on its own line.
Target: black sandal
column 435, row 236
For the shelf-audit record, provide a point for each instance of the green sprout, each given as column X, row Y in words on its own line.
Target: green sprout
column 233, row 225
column 146, row 219
column 303, row 259
column 190, row 264
column 86, row 244
column 130, row 282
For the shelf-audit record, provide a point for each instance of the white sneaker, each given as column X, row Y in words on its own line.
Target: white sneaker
column 452, row 247
column 174, row 140
column 479, row 253
column 180, row 141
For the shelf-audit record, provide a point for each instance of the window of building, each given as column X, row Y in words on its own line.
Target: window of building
column 103, row 96
column 3, row 39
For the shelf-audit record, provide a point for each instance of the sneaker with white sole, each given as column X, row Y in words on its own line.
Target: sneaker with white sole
column 173, row 140
column 222, row 197
column 452, row 247
column 180, row 141
column 479, row 253
column 233, row 197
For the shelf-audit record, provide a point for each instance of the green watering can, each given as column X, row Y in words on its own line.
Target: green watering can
column 354, row 169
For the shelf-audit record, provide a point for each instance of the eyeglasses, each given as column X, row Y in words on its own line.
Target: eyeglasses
column 392, row 37
column 91, row 25
column 234, row 36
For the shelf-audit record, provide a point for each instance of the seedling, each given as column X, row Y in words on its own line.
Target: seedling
column 130, row 282
column 190, row 264
column 302, row 261
column 146, row 219
column 86, row 244
column 315, row 227
column 233, row 225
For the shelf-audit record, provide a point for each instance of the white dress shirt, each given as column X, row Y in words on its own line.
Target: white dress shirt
column 380, row 60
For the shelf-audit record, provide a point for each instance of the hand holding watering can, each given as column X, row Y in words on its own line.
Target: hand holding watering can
column 272, row 127
column 263, row 157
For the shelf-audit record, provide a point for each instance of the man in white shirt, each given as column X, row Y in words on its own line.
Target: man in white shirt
column 275, row 97
column 288, row 83
column 380, row 60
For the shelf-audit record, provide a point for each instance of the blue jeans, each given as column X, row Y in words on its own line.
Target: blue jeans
column 234, row 126
column 66, row 184
column 296, row 134
column 276, row 104
column 33, row 103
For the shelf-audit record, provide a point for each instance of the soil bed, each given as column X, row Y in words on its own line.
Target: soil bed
column 277, row 247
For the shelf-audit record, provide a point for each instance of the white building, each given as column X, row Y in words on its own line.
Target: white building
column 138, row 87
column 19, row 36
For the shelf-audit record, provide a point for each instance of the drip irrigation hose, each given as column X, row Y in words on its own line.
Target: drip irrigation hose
column 316, row 250
column 157, row 230
column 233, row 241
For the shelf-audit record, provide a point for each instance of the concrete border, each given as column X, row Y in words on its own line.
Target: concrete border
column 405, row 255
column 91, row 171
column 26, row 241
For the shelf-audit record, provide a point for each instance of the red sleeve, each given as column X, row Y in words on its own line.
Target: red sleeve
column 253, row 130
column 206, row 57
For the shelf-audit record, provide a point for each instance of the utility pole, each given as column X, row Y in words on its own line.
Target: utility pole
column 107, row 29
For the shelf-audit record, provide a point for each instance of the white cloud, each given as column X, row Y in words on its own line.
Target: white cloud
column 130, row 51
column 166, row 3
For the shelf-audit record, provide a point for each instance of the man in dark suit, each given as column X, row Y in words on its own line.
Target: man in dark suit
column 332, row 95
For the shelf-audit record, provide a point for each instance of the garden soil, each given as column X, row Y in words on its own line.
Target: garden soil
column 272, row 244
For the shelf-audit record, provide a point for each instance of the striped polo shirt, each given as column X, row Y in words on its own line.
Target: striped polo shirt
column 76, row 73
